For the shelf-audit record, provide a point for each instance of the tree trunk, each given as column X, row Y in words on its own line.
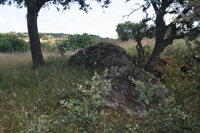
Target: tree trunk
column 160, row 42
column 159, row 47
column 140, row 51
column 36, row 51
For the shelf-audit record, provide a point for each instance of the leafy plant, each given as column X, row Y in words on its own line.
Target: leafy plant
column 167, row 116
column 48, row 46
column 74, row 42
column 183, row 74
column 136, row 31
column 84, row 112
column 11, row 42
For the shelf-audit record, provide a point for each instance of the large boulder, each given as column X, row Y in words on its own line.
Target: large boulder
column 101, row 55
column 124, row 93
column 121, row 72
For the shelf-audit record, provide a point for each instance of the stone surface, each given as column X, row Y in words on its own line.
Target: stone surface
column 123, row 92
column 101, row 55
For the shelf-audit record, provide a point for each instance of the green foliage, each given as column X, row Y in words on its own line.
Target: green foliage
column 84, row 111
column 11, row 42
column 96, row 39
column 48, row 46
column 80, row 41
column 136, row 31
column 124, row 31
column 167, row 116
column 182, row 25
column 29, row 100
column 5, row 45
column 28, row 97
column 74, row 42
column 44, row 36
column 65, row 4
column 187, row 82
column 23, row 35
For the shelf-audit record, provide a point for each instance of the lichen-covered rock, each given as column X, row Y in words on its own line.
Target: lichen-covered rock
column 122, row 74
column 101, row 55
column 124, row 93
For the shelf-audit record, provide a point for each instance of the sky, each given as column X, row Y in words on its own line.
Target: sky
column 98, row 21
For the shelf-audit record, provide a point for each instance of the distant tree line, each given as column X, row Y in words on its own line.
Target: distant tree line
column 52, row 41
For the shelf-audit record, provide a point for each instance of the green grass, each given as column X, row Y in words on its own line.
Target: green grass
column 26, row 94
column 29, row 98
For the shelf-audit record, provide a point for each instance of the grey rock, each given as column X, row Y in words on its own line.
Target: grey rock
column 101, row 55
column 123, row 92
column 120, row 69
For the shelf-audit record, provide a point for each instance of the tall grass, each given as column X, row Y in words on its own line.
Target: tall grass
column 26, row 94
column 130, row 47
column 29, row 97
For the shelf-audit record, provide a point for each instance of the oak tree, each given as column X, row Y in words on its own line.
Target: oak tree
column 136, row 31
column 33, row 8
column 186, row 12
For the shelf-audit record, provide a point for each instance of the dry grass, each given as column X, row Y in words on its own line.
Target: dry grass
column 130, row 45
column 17, row 60
column 133, row 43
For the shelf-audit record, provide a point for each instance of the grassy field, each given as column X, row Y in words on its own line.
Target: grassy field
column 27, row 94
column 29, row 98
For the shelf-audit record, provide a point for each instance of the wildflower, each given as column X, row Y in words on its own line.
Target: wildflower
column 153, row 129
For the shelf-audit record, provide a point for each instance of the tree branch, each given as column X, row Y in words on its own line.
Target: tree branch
column 165, row 4
column 179, row 16
column 154, row 5
column 40, row 4
column 134, row 10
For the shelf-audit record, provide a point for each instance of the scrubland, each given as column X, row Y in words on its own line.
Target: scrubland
column 30, row 100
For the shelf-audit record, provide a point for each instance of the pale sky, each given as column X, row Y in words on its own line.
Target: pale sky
column 97, row 21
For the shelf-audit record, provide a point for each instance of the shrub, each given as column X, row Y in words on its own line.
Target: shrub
column 84, row 111
column 186, row 78
column 11, row 42
column 167, row 116
column 74, row 42
column 5, row 45
column 48, row 46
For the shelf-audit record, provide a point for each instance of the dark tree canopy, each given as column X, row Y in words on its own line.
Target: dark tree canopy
column 43, row 3
column 187, row 12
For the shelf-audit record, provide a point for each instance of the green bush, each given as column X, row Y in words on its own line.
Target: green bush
column 11, row 42
column 186, row 81
column 167, row 116
column 5, row 45
column 74, row 42
column 48, row 46
column 84, row 111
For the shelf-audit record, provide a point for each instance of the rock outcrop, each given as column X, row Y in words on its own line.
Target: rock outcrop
column 102, row 55
column 120, row 71
column 124, row 93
